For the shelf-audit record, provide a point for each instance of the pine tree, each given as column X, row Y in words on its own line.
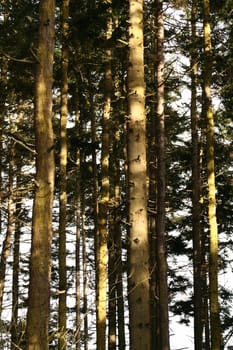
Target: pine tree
column 63, row 177
column 40, row 261
column 161, row 187
column 138, row 263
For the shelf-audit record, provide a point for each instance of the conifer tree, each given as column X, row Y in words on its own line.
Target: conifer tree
column 138, row 262
column 40, row 260
column 104, row 199
column 161, row 187
column 212, row 220
column 196, row 209
column 63, row 177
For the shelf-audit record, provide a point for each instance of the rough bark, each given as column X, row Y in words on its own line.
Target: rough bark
column 78, row 238
column 196, row 210
column 62, row 179
column 40, row 260
column 104, row 204
column 215, row 328
column 161, row 188
column 138, row 260
column 15, row 336
column 6, row 246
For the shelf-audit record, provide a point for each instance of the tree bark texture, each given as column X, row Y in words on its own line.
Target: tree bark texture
column 40, row 260
column 196, row 209
column 215, row 328
column 161, row 188
column 62, row 178
column 138, row 260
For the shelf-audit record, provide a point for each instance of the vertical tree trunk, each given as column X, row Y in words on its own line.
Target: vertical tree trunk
column 119, row 296
column 3, row 95
column 138, row 263
column 112, row 303
column 212, row 220
column 152, row 168
column 62, row 179
column 116, row 294
column 196, row 214
column 40, row 260
column 161, row 188
column 6, row 246
column 95, row 193
column 104, row 203
column 77, row 244
column 85, row 280
column 15, row 336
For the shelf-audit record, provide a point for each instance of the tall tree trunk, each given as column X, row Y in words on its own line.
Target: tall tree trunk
column 196, row 210
column 212, row 220
column 161, row 188
column 138, row 263
column 6, row 246
column 15, row 336
column 62, row 178
column 85, row 280
column 77, row 244
column 116, row 297
column 104, row 203
column 40, row 260
column 118, row 268
column 152, row 205
column 112, row 309
column 95, row 192
column 3, row 95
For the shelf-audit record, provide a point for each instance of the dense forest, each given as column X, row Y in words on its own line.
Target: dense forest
column 116, row 129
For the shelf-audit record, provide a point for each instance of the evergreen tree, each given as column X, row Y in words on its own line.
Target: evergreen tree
column 40, row 261
column 138, row 263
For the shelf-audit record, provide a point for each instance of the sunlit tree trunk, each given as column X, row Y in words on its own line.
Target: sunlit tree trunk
column 40, row 260
column 62, row 178
column 138, row 263
column 212, row 220
column 196, row 213
column 104, row 203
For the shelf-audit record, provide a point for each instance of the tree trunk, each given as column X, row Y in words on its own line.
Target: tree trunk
column 3, row 95
column 196, row 213
column 15, row 336
column 112, row 310
column 6, row 246
column 215, row 328
column 62, row 179
column 161, row 188
column 84, row 268
column 104, row 203
column 152, row 169
column 40, row 260
column 78, row 234
column 138, row 263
